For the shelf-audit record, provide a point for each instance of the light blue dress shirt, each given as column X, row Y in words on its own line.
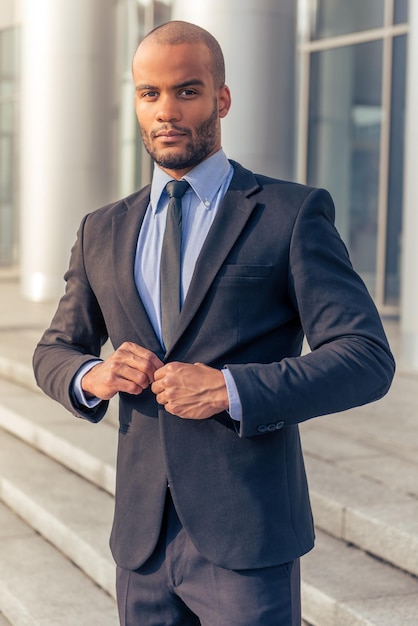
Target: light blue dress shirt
column 208, row 182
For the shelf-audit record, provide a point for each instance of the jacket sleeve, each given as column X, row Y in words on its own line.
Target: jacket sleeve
column 350, row 362
column 75, row 336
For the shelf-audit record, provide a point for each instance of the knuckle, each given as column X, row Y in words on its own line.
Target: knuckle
column 133, row 389
column 124, row 347
column 113, row 368
column 142, row 380
column 127, row 345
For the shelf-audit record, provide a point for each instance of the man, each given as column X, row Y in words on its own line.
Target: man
column 212, row 510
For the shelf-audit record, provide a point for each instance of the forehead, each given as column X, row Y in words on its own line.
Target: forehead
column 156, row 63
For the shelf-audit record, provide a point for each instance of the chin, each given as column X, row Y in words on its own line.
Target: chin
column 173, row 161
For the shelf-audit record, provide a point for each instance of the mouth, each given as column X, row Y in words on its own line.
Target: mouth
column 170, row 134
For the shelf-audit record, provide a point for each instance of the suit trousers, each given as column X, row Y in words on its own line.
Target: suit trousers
column 177, row 586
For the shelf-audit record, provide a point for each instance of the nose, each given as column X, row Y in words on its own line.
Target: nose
column 168, row 110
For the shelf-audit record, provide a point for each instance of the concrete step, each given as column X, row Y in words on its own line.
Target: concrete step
column 378, row 440
column 71, row 513
column 365, row 514
column 17, row 343
column 40, row 587
column 344, row 586
column 87, row 449
column 363, row 489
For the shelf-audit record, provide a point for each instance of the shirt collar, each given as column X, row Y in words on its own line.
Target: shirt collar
column 205, row 179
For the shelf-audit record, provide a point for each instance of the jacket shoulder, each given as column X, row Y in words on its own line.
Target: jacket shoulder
column 130, row 202
column 275, row 194
column 245, row 179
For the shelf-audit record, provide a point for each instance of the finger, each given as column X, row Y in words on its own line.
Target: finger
column 108, row 378
column 143, row 353
column 131, row 374
column 159, row 374
column 139, row 359
column 157, row 387
column 139, row 351
column 165, row 370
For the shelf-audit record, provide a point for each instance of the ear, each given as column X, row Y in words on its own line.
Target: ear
column 224, row 101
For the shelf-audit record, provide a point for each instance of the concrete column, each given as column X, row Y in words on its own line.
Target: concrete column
column 258, row 41
column 66, row 129
column 409, row 273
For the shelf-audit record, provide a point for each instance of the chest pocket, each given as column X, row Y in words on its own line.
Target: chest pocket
column 243, row 272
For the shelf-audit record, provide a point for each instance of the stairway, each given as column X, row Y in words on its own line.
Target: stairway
column 57, row 478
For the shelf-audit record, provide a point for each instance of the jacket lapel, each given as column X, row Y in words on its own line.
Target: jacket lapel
column 125, row 230
column 232, row 216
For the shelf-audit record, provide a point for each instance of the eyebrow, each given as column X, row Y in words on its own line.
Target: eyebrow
column 187, row 83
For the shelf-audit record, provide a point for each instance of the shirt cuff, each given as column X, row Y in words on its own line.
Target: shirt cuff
column 235, row 406
column 77, row 390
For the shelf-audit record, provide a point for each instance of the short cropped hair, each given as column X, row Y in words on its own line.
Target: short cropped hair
column 178, row 32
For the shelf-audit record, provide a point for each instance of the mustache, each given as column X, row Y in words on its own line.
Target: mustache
column 170, row 127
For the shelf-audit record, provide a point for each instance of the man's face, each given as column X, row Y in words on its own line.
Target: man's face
column 177, row 105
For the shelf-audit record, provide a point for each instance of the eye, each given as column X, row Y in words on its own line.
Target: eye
column 146, row 94
column 149, row 94
column 188, row 93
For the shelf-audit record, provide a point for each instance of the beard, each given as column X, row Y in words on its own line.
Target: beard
column 195, row 151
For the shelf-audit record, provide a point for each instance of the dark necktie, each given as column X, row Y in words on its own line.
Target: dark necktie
column 170, row 270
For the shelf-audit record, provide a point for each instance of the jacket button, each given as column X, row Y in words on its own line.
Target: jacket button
column 279, row 425
column 262, row 428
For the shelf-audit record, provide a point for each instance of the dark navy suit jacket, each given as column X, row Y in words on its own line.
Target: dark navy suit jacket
column 272, row 269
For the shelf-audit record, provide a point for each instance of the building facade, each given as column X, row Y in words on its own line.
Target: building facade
column 323, row 92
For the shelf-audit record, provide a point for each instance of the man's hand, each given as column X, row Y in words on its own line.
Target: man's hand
column 192, row 391
column 130, row 368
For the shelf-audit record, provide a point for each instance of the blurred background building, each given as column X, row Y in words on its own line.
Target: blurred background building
column 324, row 92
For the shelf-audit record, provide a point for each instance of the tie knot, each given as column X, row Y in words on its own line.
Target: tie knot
column 176, row 188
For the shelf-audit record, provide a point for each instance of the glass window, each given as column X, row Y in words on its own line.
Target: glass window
column 401, row 11
column 345, row 117
column 395, row 184
column 331, row 18
column 9, row 77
